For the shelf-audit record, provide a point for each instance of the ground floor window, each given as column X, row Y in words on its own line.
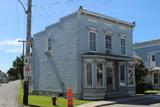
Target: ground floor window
column 99, row 74
column 122, row 75
column 155, row 79
column 131, row 75
column 89, row 74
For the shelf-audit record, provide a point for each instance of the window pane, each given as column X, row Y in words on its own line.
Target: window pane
column 123, row 46
column 155, row 78
column 89, row 74
column 92, row 36
column 108, row 42
column 122, row 75
column 153, row 57
column 49, row 44
column 99, row 74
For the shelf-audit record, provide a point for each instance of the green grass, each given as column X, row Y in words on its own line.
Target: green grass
column 45, row 101
column 152, row 91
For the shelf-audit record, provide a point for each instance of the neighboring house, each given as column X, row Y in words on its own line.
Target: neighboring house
column 3, row 77
column 90, row 52
column 149, row 51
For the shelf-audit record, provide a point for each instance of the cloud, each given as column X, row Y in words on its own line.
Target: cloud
column 13, row 50
column 11, row 46
column 13, row 42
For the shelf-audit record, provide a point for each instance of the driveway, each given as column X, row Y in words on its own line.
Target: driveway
column 9, row 94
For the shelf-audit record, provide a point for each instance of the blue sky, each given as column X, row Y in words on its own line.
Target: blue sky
column 13, row 20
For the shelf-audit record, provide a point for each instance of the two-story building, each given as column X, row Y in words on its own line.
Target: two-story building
column 90, row 52
column 149, row 51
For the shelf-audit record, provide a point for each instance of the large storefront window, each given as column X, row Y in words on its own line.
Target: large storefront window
column 89, row 74
column 131, row 75
column 99, row 74
column 122, row 75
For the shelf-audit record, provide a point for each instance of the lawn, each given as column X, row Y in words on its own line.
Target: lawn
column 152, row 91
column 45, row 101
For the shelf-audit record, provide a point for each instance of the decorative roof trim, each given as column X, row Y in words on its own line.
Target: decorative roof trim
column 105, row 17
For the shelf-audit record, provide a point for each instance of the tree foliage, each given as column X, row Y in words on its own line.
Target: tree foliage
column 16, row 71
column 140, row 70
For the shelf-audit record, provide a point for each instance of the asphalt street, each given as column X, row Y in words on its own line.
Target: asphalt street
column 9, row 94
column 147, row 101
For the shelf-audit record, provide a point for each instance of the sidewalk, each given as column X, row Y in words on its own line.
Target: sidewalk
column 111, row 102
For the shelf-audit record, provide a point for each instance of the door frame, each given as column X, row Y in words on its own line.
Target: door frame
column 111, row 65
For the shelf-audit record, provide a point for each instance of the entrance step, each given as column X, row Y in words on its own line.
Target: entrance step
column 94, row 96
column 110, row 95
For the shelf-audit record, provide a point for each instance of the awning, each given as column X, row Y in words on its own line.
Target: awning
column 155, row 69
column 107, row 56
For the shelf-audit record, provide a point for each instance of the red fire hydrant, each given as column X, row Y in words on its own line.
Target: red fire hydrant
column 53, row 100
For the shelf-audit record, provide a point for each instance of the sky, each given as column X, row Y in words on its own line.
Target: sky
column 146, row 14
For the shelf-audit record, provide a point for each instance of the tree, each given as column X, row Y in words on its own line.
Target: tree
column 16, row 71
column 140, row 72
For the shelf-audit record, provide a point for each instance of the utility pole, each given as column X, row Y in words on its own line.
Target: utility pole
column 27, row 78
column 23, row 42
column 28, row 58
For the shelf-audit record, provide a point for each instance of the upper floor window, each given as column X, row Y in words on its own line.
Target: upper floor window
column 92, row 40
column 108, row 44
column 49, row 44
column 153, row 58
column 99, row 74
column 123, row 46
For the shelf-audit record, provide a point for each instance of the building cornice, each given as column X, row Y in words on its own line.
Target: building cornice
column 84, row 11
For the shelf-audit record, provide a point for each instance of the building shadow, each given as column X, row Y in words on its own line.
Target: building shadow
column 144, row 101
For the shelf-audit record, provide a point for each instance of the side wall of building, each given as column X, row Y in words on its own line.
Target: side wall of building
column 55, row 72
column 144, row 52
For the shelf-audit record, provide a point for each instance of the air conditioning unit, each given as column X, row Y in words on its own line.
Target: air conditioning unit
column 48, row 52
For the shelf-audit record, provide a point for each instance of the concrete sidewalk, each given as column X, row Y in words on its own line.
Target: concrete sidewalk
column 111, row 102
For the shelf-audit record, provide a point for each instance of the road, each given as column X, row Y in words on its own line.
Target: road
column 9, row 94
column 147, row 101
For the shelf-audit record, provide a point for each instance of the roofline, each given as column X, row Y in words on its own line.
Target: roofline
column 147, row 43
column 105, row 17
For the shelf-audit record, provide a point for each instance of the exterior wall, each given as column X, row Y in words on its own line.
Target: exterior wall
column 51, row 72
column 144, row 51
column 103, row 26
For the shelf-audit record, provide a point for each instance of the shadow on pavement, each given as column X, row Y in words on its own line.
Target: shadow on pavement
column 34, row 106
column 146, row 100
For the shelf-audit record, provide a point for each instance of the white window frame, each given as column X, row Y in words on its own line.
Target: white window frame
column 152, row 63
column 106, row 42
column 93, row 31
column 124, row 74
column 86, row 85
column 123, row 36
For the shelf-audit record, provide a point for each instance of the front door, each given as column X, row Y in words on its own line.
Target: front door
column 110, row 78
